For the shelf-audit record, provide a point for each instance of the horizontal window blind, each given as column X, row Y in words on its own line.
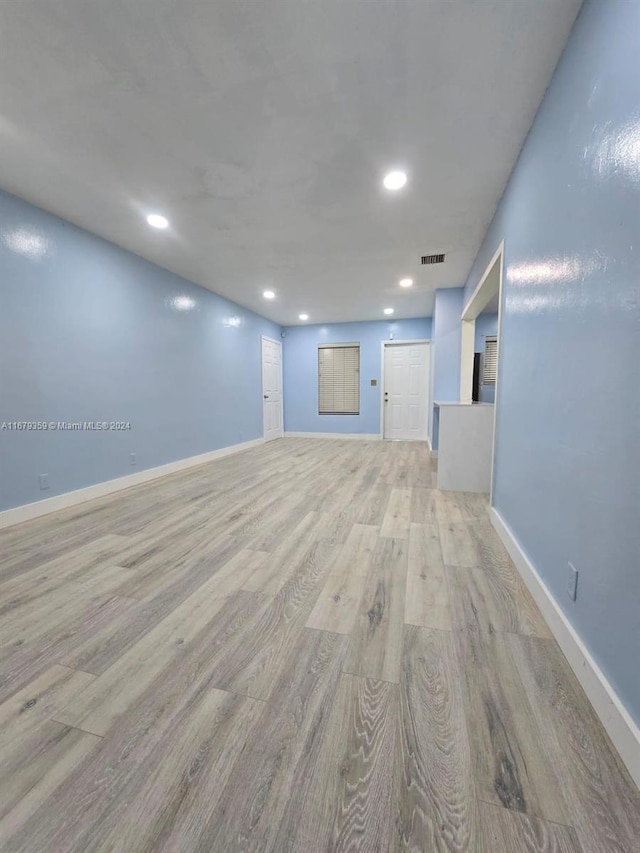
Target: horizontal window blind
column 339, row 379
column 490, row 361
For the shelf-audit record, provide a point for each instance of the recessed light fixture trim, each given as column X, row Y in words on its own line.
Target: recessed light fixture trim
column 303, row 316
column 395, row 180
column 406, row 282
column 156, row 220
column 269, row 294
column 388, row 310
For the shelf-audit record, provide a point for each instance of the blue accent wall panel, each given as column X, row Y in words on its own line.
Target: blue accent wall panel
column 486, row 327
column 301, row 372
column 447, row 333
column 447, row 343
column 93, row 333
column 567, row 477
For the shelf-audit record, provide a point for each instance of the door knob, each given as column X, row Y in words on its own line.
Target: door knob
column 266, row 396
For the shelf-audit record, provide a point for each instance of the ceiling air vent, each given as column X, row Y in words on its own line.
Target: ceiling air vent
column 432, row 259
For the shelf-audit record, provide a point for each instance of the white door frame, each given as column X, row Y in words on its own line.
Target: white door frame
column 479, row 298
column 395, row 343
column 273, row 341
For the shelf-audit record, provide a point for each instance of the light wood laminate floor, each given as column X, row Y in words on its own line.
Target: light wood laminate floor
column 302, row 647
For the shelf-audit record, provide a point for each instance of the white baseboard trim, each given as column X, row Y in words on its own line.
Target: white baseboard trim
column 620, row 726
column 18, row 514
column 358, row 435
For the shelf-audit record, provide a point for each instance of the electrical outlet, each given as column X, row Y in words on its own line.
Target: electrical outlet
column 572, row 582
column 132, row 458
column 44, row 481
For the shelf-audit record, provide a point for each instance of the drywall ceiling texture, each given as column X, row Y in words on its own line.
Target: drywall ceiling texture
column 262, row 131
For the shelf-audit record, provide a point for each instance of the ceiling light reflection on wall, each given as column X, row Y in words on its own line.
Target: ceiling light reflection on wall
column 183, row 303
column 406, row 282
column 27, row 243
column 156, row 220
column 395, row 180
column 233, row 322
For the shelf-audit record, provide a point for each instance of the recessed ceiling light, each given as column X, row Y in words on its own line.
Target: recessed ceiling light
column 388, row 310
column 406, row 282
column 269, row 294
column 156, row 220
column 303, row 316
column 395, row 180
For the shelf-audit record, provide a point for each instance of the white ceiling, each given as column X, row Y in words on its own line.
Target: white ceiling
column 262, row 131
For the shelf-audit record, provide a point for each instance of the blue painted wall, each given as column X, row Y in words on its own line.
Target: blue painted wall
column 567, row 477
column 301, row 372
column 90, row 332
column 486, row 326
column 446, row 351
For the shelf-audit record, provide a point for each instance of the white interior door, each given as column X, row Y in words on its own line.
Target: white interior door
column 406, row 391
column 271, row 389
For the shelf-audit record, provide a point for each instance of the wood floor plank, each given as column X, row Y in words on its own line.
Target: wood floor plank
column 510, row 759
column 30, row 743
column 69, row 564
column 345, row 801
column 171, row 802
column 152, row 578
column 458, row 545
column 603, row 802
column 504, row 581
column 505, row 831
column 376, row 640
column 424, row 506
column 277, row 760
column 274, row 572
column 98, row 653
column 434, row 804
column 41, row 699
column 116, row 775
column 260, row 670
column 480, row 600
column 254, row 663
column 427, row 596
column 395, row 522
column 337, row 606
column 34, row 783
column 277, row 521
column 109, row 695
column 373, row 505
column 21, row 661
column 94, row 581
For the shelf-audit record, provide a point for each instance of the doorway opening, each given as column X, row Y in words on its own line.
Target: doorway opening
column 481, row 344
column 405, row 393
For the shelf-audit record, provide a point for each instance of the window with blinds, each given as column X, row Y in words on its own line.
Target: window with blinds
column 339, row 379
column 490, row 362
